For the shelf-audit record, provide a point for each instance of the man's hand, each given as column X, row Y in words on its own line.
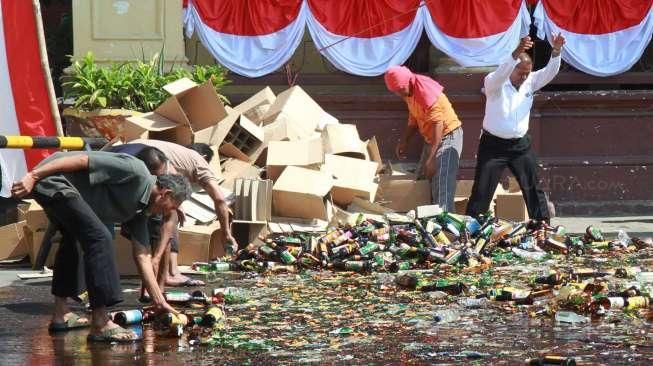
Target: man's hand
column 230, row 243
column 430, row 168
column 525, row 44
column 24, row 187
column 557, row 42
column 164, row 307
column 400, row 149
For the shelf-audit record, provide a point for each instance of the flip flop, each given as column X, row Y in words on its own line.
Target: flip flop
column 73, row 322
column 190, row 282
column 111, row 335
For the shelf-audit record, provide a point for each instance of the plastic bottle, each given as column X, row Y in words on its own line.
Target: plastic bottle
column 569, row 317
column 446, row 316
column 623, row 239
column 473, row 303
column 644, row 277
column 528, row 255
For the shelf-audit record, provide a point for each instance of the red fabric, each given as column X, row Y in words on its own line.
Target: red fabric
column 364, row 18
column 247, row 17
column 185, row 3
column 531, row 2
column 473, row 18
column 31, row 98
column 596, row 16
column 425, row 90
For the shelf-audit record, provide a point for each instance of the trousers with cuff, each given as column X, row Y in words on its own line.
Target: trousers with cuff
column 79, row 224
column 447, row 158
column 494, row 155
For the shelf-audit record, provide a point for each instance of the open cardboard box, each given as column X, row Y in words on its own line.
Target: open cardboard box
column 303, row 193
column 352, row 178
column 511, row 206
column 189, row 115
column 234, row 169
column 303, row 153
column 256, row 106
column 343, row 139
column 295, row 107
column 403, row 193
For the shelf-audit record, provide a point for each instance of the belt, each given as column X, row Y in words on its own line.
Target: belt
column 485, row 132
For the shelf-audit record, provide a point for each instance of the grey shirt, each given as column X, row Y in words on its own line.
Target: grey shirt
column 117, row 187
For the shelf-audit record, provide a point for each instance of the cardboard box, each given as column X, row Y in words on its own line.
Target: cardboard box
column 199, row 243
column 246, row 232
column 35, row 217
column 511, row 206
column 284, row 130
column 253, row 200
column 343, row 139
column 353, row 178
column 198, row 211
column 326, row 119
column 403, row 193
column 13, row 241
column 303, row 193
column 296, row 109
column 460, row 204
column 190, row 115
column 373, row 153
column 303, row 153
column 234, row 168
column 257, row 105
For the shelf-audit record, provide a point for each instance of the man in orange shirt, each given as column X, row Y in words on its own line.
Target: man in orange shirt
column 430, row 113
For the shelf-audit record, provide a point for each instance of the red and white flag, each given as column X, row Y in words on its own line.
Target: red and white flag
column 24, row 98
column 602, row 37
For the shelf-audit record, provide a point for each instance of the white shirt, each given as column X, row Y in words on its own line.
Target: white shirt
column 507, row 109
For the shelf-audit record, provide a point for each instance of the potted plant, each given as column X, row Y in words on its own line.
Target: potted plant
column 104, row 96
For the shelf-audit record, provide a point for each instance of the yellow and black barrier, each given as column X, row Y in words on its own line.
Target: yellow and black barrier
column 51, row 142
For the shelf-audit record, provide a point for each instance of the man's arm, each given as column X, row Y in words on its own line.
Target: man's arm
column 144, row 263
column 211, row 187
column 64, row 164
column 545, row 75
column 496, row 78
column 407, row 134
column 437, row 138
column 159, row 257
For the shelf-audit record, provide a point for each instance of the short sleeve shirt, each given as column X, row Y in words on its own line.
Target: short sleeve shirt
column 425, row 119
column 117, row 187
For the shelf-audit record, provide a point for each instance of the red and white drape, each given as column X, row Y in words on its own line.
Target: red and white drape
column 24, row 101
column 361, row 37
column 603, row 37
column 365, row 37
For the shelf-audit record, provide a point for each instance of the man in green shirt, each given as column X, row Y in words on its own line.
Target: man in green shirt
column 82, row 193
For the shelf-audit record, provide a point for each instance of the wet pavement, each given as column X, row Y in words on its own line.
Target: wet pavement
column 347, row 318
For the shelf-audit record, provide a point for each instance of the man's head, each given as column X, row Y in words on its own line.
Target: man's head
column 202, row 149
column 397, row 80
column 169, row 192
column 522, row 70
column 154, row 160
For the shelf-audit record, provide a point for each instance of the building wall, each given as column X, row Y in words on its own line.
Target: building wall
column 591, row 134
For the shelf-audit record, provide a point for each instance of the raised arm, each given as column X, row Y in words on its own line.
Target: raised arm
column 496, row 78
column 545, row 75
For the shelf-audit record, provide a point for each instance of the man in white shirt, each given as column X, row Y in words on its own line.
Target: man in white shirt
column 505, row 141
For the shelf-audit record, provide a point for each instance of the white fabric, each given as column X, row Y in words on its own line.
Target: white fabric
column 250, row 56
column 483, row 51
column 12, row 161
column 508, row 110
column 603, row 54
column 367, row 56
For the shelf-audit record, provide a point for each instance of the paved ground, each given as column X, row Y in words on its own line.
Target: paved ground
column 633, row 225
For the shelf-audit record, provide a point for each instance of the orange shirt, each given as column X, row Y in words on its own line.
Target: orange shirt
column 425, row 119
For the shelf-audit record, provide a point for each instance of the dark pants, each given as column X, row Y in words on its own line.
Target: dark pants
column 494, row 155
column 78, row 223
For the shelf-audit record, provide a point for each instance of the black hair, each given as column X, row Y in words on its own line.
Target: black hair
column 152, row 157
column 178, row 184
column 202, row 149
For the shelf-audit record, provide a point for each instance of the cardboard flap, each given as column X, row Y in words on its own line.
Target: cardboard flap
column 297, row 107
column 374, row 153
column 224, row 126
column 252, row 128
column 172, row 109
column 301, row 180
column 257, row 105
column 343, row 139
column 203, row 106
column 299, row 152
column 179, row 86
column 198, row 212
column 401, row 194
column 152, row 122
column 228, row 149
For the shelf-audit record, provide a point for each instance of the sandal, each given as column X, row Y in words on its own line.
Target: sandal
column 190, row 282
column 73, row 322
column 113, row 335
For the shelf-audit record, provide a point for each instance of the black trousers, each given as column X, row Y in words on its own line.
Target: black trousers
column 78, row 223
column 494, row 155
